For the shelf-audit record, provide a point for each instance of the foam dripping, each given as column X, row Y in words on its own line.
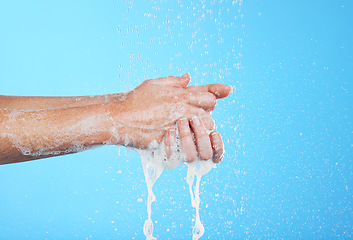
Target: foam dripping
column 154, row 162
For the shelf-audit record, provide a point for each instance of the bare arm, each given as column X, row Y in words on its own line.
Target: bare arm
column 145, row 114
column 36, row 103
column 28, row 135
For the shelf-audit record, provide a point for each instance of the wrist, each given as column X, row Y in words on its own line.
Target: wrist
column 116, row 132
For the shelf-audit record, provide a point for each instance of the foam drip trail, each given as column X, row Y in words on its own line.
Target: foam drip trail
column 152, row 171
column 197, row 168
column 153, row 163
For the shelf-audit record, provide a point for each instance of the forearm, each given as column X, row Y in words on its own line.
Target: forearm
column 36, row 103
column 28, row 135
column 63, row 125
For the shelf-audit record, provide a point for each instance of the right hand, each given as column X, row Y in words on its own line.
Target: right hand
column 152, row 108
column 201, row 144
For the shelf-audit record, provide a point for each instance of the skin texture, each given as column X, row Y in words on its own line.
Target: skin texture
column 40, row 127
column 39, row 103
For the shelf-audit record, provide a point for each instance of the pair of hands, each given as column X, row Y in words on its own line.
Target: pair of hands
column 150, row 112
column 51, row 126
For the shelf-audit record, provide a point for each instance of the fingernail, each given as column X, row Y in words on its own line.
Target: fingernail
column 184, row 123
column 216, row 137
column 196, row 121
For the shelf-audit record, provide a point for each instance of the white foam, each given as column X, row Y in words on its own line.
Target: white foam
column 197, row 168
column 152, row 170
column 23, row 133
column 154, row 162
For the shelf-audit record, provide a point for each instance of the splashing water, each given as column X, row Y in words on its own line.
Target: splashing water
column 172, row 37
column 161, row 38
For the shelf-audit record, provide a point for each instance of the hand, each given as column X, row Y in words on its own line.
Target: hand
column 152, row 108
column 205, row 146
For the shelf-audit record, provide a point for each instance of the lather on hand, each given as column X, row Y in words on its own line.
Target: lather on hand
column 39, row 127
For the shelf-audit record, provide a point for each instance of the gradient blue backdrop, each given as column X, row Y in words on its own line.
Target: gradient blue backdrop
column 288, row 128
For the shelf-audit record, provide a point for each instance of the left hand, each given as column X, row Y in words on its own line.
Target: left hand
column 205, row 146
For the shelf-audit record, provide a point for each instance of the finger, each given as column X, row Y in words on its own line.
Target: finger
column 202, row 139
column 169, row 141
column 218, row 147
column 172, row 81
column 208, row 123
column 191, row 111
column 203, row 100
column 186, row 140
column 218, row 90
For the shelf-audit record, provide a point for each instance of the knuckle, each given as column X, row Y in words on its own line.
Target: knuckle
column 180, row 108
column 209, row 123
column 201, row 112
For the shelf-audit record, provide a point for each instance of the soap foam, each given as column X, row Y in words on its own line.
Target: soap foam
column 154, row 161
column 22, row 133
column 197, row 168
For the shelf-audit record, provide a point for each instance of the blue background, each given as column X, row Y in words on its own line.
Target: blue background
column 287, row 127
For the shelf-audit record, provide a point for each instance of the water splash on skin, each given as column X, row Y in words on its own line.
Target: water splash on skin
column 53, row 142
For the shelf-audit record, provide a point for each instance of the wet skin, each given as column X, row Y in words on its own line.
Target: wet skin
column 51, row 126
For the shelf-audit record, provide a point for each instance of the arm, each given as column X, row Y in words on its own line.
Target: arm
column 141, row 116
column 28, row 135
column 37, row 103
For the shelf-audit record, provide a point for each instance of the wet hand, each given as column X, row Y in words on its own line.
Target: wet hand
column 197, row 139
column 153, row 107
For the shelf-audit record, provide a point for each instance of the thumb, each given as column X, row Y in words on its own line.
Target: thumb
column 171, row 81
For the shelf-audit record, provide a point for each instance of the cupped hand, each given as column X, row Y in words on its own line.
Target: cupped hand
column 197, row 139
column 148, row 111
